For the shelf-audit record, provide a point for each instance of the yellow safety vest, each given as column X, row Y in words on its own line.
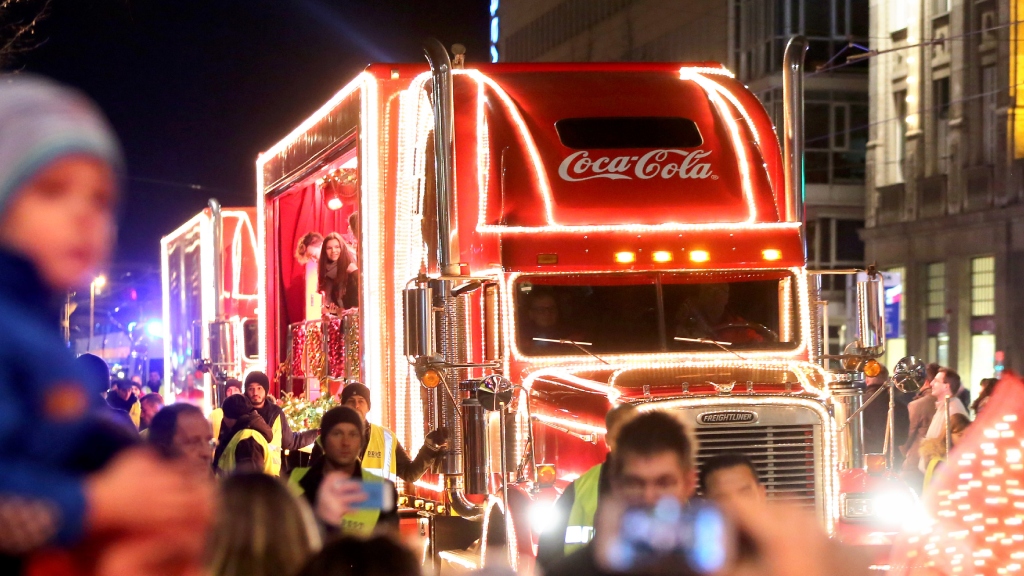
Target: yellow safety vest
column 379, row 457
column 135, row 413
column 355, row 523
column 580, row 528
column 929, row 472
column 216, row 417
column 274, row 453
column 227, row 459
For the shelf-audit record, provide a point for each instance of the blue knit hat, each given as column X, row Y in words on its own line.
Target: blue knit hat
column 42, row 121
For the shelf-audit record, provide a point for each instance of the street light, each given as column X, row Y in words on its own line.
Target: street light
column 94, row 287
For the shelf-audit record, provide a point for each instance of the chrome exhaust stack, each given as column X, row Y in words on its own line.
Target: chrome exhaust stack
column 451, row 310
column 444, row 156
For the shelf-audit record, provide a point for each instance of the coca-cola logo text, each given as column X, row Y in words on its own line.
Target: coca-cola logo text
column 668, row 163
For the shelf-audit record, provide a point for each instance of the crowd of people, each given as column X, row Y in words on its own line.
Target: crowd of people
column 920, row 419
column 75, row 444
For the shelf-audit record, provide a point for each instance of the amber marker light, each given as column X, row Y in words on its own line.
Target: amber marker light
column 431, row 378
column 625, row 257
column 662, row 256
column 872, row 368
column 546, row 474
column 771, row 254
column 699, row 256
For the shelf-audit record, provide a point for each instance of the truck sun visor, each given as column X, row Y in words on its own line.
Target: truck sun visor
column 644, row 132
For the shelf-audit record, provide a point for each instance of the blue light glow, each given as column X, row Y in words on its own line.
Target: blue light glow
column 494, row 54
column 494, row 30
column 155, row 328
column 494, row 7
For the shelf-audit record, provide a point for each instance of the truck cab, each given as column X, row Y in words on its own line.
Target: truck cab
column 537, row 243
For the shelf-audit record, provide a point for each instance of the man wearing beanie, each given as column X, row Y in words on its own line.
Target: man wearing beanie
column 243, row 445
column 256, row 387
column 341, row 436
column 383, row 454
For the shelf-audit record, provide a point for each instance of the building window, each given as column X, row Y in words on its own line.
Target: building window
column 900, row 127
column 989, row 135
column 983, row 310
column 983, row 286
column 940, row 95
column 937, row 330
column 936, row 290
column 835, row 140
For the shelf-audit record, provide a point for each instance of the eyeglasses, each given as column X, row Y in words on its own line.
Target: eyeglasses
column 199, row 442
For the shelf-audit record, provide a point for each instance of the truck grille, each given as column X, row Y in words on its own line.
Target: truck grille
column 784, row 456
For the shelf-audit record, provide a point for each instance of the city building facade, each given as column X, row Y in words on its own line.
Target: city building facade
column 943, row 178
column 749, row 36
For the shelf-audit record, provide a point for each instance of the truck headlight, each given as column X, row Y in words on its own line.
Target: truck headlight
column 889, row 507
column 543, row 515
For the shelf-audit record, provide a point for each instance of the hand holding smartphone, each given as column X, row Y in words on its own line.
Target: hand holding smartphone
column 338, row 495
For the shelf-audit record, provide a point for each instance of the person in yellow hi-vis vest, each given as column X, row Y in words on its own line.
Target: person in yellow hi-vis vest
column 244, row 444
column 256, row 386
column 333, row 484
column 572, row 524
column 120, row 397
column 383, row 454
column 231, row 387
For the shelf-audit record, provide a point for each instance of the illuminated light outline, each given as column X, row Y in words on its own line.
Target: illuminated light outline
column 236, row 252
column 738, row 146
column 209, row 299
column 708, row 70
column 712, row 90
column 372, row 241
column 207, row 304
column 261, row 160
column 531, row 145
column 797, row 368
column 414, row 127
column 803, row 306
column 640, row 228
column 830, row 466
column 439, row 487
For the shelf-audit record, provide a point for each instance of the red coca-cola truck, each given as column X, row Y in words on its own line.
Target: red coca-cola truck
column 209, row 277
column 537, row 243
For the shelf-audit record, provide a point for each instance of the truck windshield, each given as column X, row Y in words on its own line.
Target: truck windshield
column 645, row 312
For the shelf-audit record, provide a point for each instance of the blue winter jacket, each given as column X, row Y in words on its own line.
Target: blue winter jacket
column 54, row 425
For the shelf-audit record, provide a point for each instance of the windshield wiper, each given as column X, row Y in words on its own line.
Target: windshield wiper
column 579, row 345
column 720, row 343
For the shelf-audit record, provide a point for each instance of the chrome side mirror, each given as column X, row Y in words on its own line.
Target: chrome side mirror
column 909, row 374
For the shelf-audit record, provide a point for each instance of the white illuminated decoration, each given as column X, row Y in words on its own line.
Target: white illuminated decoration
column 578, row 166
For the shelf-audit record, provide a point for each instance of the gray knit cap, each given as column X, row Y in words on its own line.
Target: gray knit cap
column 42, row 121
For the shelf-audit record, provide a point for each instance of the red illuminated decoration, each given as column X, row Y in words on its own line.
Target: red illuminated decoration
column 976, row 502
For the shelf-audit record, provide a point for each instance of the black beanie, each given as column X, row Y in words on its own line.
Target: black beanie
column 355, row 389
column 340, row 414
column 259, row 379
column 233, row 382
column 237, row 406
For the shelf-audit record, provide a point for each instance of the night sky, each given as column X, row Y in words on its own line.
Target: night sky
column 196, row 89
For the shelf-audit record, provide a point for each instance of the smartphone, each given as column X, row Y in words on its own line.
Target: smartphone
column 380, row 495
column 671, row 538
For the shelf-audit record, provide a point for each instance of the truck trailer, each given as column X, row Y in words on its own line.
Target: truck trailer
column 539, row 242
column 209, row 277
